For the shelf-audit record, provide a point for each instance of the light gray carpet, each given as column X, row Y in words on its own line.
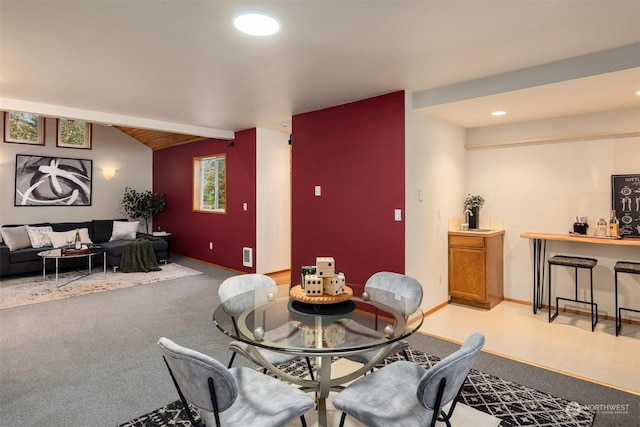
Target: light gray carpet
column 93, row 360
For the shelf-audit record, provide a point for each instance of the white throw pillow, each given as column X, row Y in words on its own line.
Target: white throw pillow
column 39, row 236
column 124, row 230
column 59, row 238
column 16, row 237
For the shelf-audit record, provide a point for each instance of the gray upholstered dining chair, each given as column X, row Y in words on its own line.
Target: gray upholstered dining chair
column 406, row 394
column 231, row 397
column 242, row 292
column 383, row 287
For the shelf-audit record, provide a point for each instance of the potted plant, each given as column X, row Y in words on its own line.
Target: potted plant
column 473, row 205
column 143, row 205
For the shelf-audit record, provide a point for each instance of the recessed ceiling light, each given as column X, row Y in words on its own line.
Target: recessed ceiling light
column 498, row 113
column 256, row 24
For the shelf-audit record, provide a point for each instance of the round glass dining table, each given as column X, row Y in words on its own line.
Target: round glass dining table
column 321, row 331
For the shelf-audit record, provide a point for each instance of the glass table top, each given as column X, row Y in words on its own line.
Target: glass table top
column 270, row 319
column 58, row 253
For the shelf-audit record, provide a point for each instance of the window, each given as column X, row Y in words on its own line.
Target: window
column 210, row 184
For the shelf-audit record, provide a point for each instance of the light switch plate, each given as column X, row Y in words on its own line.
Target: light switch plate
column 317, row 190
column 398, row 214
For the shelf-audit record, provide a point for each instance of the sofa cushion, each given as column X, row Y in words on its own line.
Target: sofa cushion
column 101, row 230
column 39, row 236
column 124, row 230
column 59, row 238
column 66, row 226
column 26, row 255
column 116, row 247
column 16, row 237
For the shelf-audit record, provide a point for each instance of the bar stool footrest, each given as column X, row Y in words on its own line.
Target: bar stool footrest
column 592, row 304
column 624, row 267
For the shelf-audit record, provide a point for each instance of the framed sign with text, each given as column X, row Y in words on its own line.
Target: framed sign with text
column 625, row 200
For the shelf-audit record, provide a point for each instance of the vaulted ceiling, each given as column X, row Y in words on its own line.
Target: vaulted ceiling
column 156, row 139
column 180, row 67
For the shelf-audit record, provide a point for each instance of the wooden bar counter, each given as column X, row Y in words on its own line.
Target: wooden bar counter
column 540, row 248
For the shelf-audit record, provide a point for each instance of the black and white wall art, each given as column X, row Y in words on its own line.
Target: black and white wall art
column 625, row 200
column 52, row 181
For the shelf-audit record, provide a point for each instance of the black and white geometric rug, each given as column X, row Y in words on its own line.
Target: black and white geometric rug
column 513, row 404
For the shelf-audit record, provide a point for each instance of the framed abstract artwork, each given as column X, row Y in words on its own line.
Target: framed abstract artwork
column 73, row 133
column 23, row 128
column 52, row 181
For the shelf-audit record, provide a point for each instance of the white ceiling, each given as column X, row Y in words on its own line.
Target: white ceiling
column 181, row 66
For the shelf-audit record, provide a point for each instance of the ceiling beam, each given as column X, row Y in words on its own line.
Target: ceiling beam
column 607, row 61
column 111, row 119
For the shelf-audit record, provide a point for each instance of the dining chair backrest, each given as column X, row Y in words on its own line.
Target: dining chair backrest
column 386, row 287
column 239, row 293
column 191, row 371
column 453, row 369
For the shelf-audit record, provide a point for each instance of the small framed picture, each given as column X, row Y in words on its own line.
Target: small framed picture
column 23, row 128
column 72, row 133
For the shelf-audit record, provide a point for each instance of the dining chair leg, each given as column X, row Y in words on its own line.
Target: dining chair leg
column 233, row 356
column 342, row 418
column 310, row 369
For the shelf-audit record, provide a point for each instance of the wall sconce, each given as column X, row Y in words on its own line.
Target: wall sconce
column 108, row 173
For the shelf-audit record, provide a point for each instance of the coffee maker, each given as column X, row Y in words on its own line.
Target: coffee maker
column 580, row 226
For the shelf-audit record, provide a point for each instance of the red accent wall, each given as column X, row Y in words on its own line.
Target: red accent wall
column 192, row 231
column 355, row 152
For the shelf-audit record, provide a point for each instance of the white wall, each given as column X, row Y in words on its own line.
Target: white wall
column 541, row 188
column 529, row 187
column 111, row 148
column 273, row 194
column 435, row 164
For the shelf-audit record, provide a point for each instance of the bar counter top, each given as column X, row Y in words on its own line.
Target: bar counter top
column 581, row 238
column 486, row 233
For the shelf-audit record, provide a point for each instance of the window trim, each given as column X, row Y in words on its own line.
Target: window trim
column 197, row 184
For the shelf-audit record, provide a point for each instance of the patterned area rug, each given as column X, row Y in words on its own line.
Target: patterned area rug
column 513, row 404
column 32, row 290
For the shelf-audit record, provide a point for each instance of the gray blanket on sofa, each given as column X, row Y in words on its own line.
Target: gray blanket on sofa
column 138, row 256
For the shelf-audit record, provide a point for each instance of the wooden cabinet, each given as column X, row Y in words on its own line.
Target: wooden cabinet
column 476, row 268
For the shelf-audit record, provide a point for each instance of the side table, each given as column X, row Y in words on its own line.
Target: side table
column 166, row 237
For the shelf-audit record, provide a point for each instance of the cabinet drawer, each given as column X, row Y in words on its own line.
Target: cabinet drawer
column 470, row 241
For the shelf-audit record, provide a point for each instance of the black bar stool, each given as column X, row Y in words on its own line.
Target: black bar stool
column 624, row 267
column 576, row 263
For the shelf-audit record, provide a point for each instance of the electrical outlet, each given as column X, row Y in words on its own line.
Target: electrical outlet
column 210, row 245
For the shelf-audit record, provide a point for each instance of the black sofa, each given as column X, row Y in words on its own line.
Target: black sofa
column 26, row 260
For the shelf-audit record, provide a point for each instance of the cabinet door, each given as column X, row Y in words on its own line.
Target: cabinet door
column 467, row 275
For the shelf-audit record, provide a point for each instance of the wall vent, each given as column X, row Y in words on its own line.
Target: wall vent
column 247, row 257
